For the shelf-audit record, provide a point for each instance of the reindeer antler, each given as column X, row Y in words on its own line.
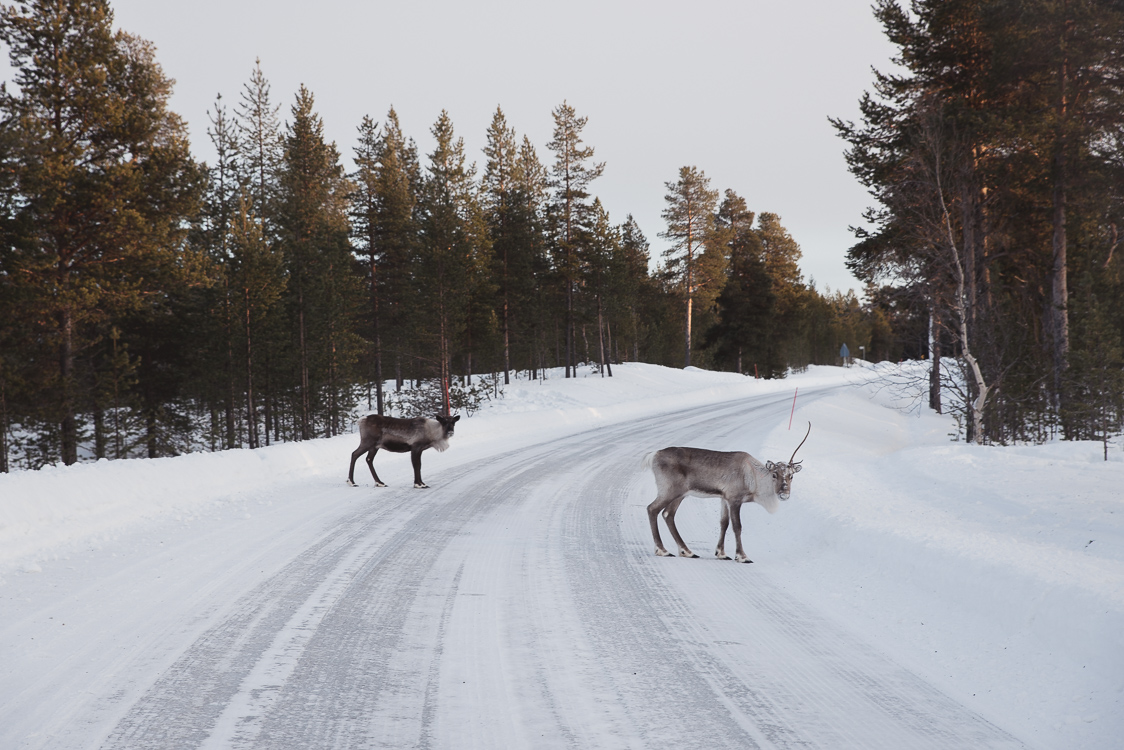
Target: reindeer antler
column 806, row 434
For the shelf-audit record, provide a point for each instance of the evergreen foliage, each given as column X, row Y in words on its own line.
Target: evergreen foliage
column 150, row 305
column 994, row 159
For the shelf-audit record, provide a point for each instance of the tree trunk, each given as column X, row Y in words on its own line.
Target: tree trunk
column 687, row 350
column 1059, row 292
column 251, row 409
column 270, row 416
column 935, row 363
column 305, row 403
column 150, row 430
column 977, row 384
column 506, row 345
column 600, row 336
column 69, row 425
column 378, row 337
column 609, row 359
column 231, row 438
column 570, row 327
column 3, row 422
column 99, row 431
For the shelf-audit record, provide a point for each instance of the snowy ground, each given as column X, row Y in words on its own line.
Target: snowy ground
column 970, row 596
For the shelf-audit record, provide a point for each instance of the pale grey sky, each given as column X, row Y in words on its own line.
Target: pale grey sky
column 741, row 90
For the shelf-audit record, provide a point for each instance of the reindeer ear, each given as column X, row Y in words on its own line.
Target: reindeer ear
column 455, row 418
column 796, row 468
column 769, row 466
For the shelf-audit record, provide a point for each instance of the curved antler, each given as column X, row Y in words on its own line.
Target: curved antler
column 806, row 434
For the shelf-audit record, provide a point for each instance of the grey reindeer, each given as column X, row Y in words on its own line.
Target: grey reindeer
column 736, row 477
column 401, row 436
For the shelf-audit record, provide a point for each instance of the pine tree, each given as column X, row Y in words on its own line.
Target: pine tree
column 450, row 246
column 631, row 281
column 364, row 224
column 498, row 192
column 529, row 268
column 220, row 205
column 690, row 226
column 570, row 177
column 746, row 305
column 397, row 183
column 260, row 158
column 314, row 228
column 262, row 149
column 602, row 243
column 104, row 179
column 257, row 280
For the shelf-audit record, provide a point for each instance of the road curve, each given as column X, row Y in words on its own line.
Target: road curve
column 518, row 604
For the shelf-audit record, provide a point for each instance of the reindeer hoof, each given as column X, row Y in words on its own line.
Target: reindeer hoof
column 721, row 555
column 421, row 486
column 687, row 553
column 743, row 559
column 662, row 553
column 351, row 483
column 379, row 484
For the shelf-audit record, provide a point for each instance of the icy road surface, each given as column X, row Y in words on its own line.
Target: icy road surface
column 516, row 604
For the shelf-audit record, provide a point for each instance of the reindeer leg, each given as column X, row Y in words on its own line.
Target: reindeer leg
column 669, row 517
column 720, row 550
column 736, row 519
column 415, row 459
column 371, row 465
column 654, row 509
column 355, row 454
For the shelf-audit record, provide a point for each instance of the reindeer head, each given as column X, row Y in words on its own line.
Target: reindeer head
column 447, row 423
column 783, row 472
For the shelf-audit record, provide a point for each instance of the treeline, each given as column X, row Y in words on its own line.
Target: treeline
column 151, row 304
column 997, row 158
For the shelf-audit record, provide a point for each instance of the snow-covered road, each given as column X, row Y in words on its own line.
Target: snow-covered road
column 516, row 604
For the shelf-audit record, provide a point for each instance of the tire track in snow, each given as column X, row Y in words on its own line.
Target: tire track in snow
column 818, row 687
column 358, row 677
column 183, row 706
column 345, row 646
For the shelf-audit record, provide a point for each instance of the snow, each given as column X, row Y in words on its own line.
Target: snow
column 994, row 573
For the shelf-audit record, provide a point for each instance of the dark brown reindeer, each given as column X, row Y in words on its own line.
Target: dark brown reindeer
column 736, row 477
column 401, row 436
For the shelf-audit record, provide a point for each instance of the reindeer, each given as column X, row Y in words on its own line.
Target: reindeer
column 401, row 436
column 736, row 477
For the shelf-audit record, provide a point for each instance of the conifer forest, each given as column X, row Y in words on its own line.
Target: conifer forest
column 153, row 304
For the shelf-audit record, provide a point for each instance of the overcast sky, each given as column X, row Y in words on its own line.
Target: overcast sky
column 741, row 89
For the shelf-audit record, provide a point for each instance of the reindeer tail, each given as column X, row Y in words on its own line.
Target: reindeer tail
column 648, row 459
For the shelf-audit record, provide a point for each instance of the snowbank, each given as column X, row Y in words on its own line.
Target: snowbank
column 46, row 512
column 997, row 572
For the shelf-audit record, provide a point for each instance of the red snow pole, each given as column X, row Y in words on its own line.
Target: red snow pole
column 793, row 409
column 446, row 379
